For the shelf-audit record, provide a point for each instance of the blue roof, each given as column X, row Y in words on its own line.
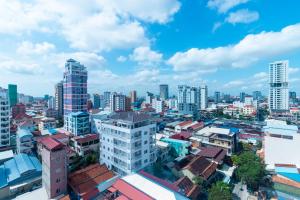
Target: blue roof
column 52, row 131
column 20, row 167
column 23, row 133
column 79, row 114
column 289, row 172
column 3, row 181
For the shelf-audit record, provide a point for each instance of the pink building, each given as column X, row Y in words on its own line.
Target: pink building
column 54, row 162
column 18, row 109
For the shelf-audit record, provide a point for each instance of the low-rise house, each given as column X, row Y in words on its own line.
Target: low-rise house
column 214, row 154
column 191, row 190
column 18, row 175
column 25, row 142
column 179, row 147
column 162, row 151
column 89, row 182
column 85, row 144
column 6, row 155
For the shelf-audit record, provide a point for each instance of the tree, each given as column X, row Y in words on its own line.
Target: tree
column 250, row 169
column 198, row 180
column 219, row 191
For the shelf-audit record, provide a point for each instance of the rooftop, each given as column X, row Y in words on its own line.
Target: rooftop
column 200, row 166
column 4, row 155
column 51, row 143
column 131, row 116
column 24, row 133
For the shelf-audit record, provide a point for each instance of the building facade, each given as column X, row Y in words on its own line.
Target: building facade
column 278, row 80
column 127, row 142
column 164, row 91
column 12, row 94
column 203, row 97
column 96, row 101
column 117, row 102
column 4, row 122
column 77, row 123
column 59, row 98
column 188, row 99
column 75, row 87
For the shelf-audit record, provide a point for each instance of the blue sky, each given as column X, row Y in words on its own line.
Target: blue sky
column 135, row 44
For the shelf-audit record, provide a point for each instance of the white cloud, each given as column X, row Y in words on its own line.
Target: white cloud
column 260, row 75
column 29, row 48
column 216, row 26
column 233, row 84
column 242, row 16
column 222, row 6
column 145, row 56
column 293, row 70
column 122, row 59
column 250, row 49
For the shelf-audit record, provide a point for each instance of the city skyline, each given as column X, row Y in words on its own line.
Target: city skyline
column 165, row 46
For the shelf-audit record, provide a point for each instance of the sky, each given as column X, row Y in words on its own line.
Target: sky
column 139, row 44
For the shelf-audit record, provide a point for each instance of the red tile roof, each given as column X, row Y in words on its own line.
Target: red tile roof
column 200, row 166
column 184, row 135
column 86, row 138
column 190, row 189
column 59, row 136
column 197, row 126
column 84, row 181
column 129, row 191
column 185, row 123
column 51, row 143
column 22, row 115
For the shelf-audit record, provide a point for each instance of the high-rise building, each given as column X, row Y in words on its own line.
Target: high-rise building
column 18, row 109
column 293, row 97
column 12, row 94
column 96, row 101
column 164, row 91
column 77, row 123
column 106, row 99
column 51, row 102
column 127, row 142
column 149, row 97
column 133, row 96
column 117, row 102
column 203, row 97
column 158, row 105
column 188, row 99
column 4, row 122
column 257, row 95
column 242, row 96
column 217, row 97
column 278, row 80
column 59, row 98
column 75, row 87
column 54, row 170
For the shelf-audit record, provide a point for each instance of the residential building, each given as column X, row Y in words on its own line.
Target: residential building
column 77, row 123
column 4, row 122
column 18, row 109
column 242, row 97
column 257, row 95
column 279, row 91
column 59, row 98
column 249, row 110
column 203, row 97
column 89, row 182
column 149, row 97
column 158, row 105
column 51, row 112
column 54, row 162
column 217, row 97
column 248, row 101
column 96, row 101
column 85, row 144
column 20, row 174
column 75, row 87
column 106, row 98
column 12, row 94
column 188, row 99
column 225, row 138
column 127, row 142
column 25, row 142
column 47, row 123
column 51, row 102
column 293, row 97
column 164, row 91
column 180, row 147
column 173, row 104
column 133, row 96
column 117, row 102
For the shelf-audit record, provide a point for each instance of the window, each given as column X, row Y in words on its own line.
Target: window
column 145, row 133
column 146, row 160
column 145, row 142
column 57, row 190
column 57, row 180
column 146, row 151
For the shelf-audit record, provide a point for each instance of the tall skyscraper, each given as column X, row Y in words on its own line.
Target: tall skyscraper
column 217, row 97
column 203, row 97
column 4, row 122
column 188, row 99
column 242, row 96
column 59, row 98
column 293, row 97
column 133, row 96
column 256, row 95
column 164, row 91
column 96, row 101
column 12, row 94
column 279, row 92
column 117, row 102
column 75, row 87
column 149, row 97
column 106, row 98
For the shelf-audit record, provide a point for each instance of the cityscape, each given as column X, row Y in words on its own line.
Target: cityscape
column 98, row 103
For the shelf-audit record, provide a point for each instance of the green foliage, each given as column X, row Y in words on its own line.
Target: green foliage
column 198, row 180
column 250, row 169
column 219, row 191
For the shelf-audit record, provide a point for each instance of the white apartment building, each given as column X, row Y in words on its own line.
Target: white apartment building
column 203, row 97
column 158, row 105
column 278, row 80
column 4, row 122
column 117, row 102
column 127, row 142
column 188, row 99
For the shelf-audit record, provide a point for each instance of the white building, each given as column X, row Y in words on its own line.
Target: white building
column 281, row 144
column 4, row 122
column 149, row 98
column 279, row 92
column 158, row 105
column 188, row 99
column 117, row 102
column 127, row 142
column 47, row 123
column 24, row 141
column 203, row 97
column 173, row 104
column 248, row 101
